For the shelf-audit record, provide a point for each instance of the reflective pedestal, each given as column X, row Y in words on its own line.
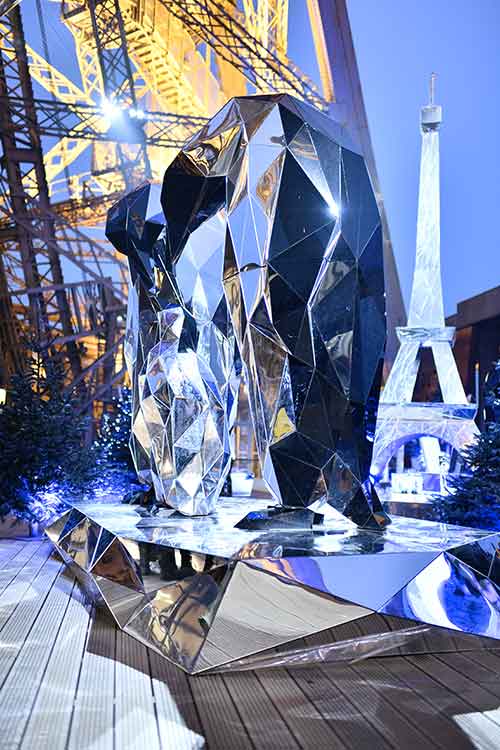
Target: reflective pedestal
column 203, row 593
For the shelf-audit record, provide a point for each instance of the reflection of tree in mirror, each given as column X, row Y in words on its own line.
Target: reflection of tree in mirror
column 114, row 432
column 114, row 458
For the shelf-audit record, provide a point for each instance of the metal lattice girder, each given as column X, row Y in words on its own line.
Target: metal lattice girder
column 111, row 44
column 87, row 209
column 62, row 88
column 77, row 121
column 23, row 180
column 94, row 302
column 168, row 67
column 68, row 241
column 10, row 354
column 67, row 149
column 116, row 73
column 43, row 72
column 211, row 22
column 33, row 239
column 267, row 21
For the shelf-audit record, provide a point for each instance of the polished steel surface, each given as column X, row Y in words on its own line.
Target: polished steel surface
column 261, row 258
column 216, row 534
column 203, row 593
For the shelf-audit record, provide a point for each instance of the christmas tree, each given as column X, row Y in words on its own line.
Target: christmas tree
column 492, row 393
column 474, row 498
column 43, row 457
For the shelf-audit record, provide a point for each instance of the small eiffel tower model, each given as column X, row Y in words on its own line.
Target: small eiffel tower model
column 400, row 418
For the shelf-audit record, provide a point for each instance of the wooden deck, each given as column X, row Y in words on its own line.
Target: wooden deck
column 69, row 680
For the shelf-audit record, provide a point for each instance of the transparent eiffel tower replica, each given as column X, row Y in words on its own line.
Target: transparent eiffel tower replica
column 400, row 418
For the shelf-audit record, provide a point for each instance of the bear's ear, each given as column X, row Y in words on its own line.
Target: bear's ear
column 188, row 198
column 134, row 225
column 116, row 224
column 136, row 221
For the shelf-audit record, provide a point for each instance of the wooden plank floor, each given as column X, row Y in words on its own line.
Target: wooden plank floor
column 69, row 680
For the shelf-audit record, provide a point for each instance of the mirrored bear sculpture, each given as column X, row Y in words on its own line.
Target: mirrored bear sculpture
column 267, row 247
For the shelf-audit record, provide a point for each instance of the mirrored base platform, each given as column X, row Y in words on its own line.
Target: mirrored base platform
column 203, row 593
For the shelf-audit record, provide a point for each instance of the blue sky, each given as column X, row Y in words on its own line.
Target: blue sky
column 398, row 44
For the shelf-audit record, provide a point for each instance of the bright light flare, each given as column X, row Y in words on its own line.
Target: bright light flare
column 110, row 109
column 333, row 208
column 137, row 114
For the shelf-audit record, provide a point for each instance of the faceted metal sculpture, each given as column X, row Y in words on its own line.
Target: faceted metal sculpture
column 202, row 592
column 270, row 246
column 181, row 356
column 400, row 418
column 266, row 247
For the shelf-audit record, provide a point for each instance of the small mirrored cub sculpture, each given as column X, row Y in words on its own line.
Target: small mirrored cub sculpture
column 260, row 257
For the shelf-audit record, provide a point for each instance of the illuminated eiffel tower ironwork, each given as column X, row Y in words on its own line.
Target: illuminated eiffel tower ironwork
column 400, row 418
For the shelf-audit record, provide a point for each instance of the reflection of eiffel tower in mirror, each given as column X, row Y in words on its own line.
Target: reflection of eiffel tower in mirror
column 400, row 418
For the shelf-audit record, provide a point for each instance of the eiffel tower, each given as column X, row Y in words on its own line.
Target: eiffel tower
column 400, row 418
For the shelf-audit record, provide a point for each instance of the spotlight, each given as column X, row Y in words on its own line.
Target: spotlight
column 110, row 109
column 138, row 114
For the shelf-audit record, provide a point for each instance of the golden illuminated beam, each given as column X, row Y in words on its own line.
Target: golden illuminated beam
column 169, row 68
column 280, row 25
column 318, row 32
column 267, row 21
column 178, row 76
column 88, row 62
column 215, row 23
